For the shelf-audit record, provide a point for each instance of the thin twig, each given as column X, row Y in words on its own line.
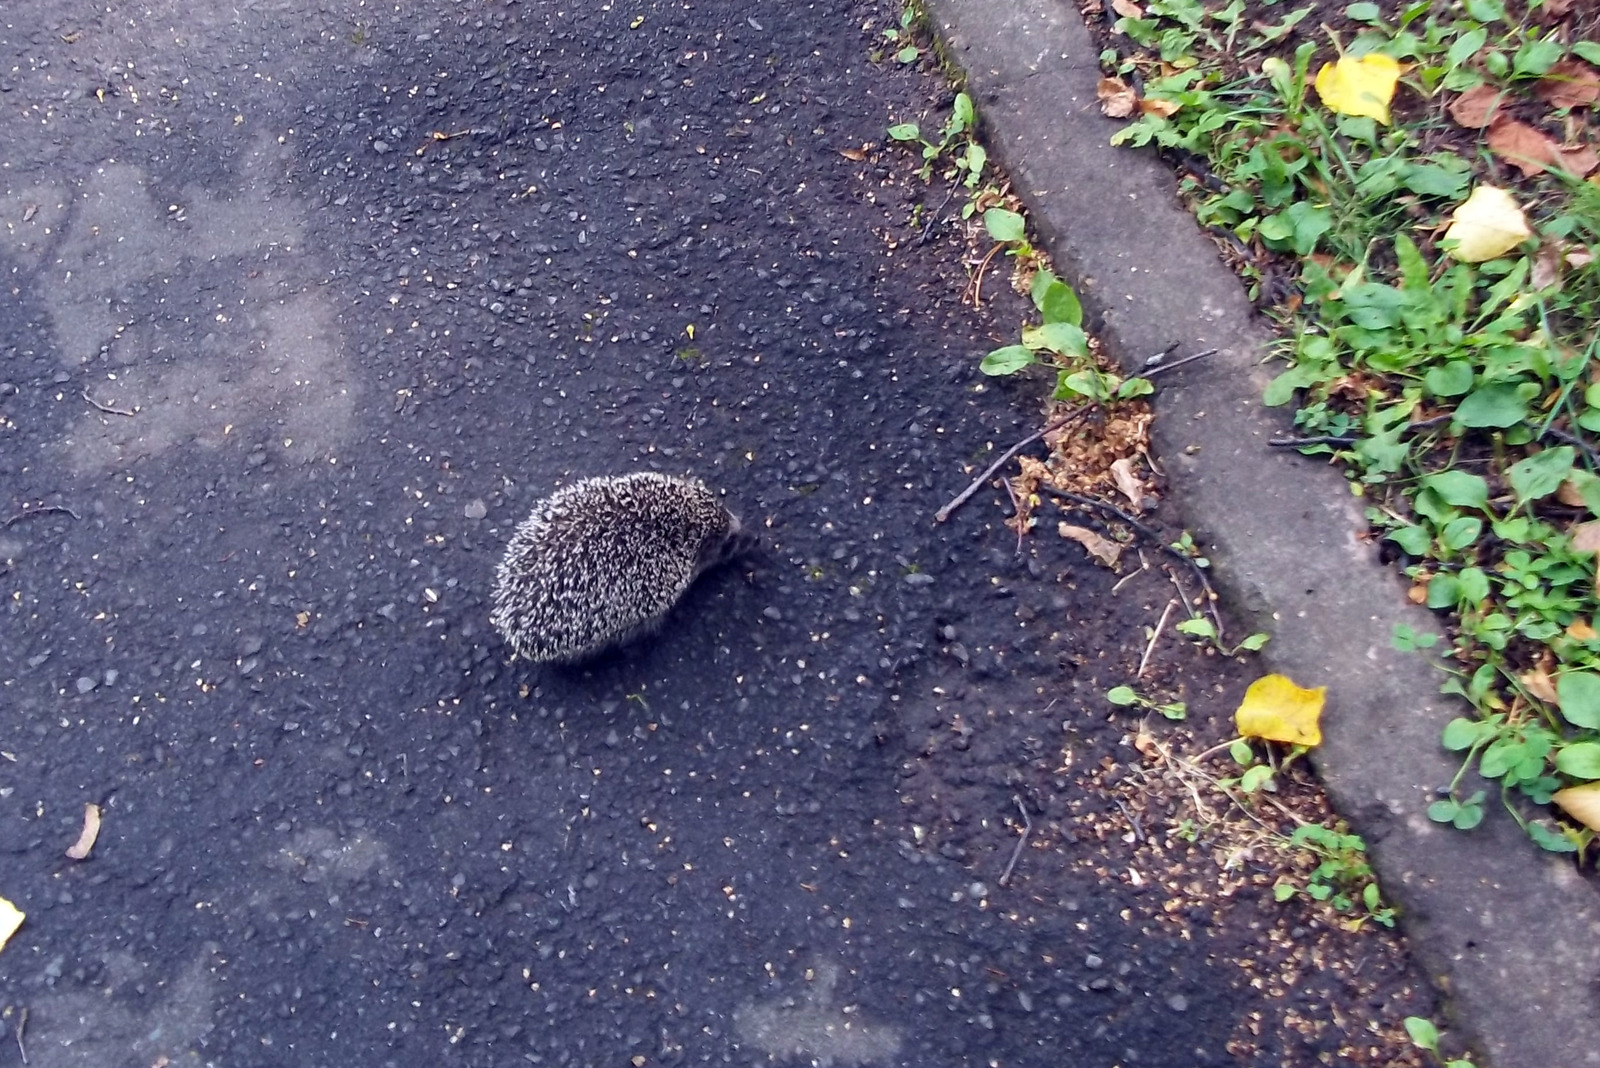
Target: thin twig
column 1138, row 831
column 1572, row 439
column 936, row 217
column 1164, row 368
column 977, row 279
column 106, row 407
column 1320, row 439
column 944, row 513
column 1144, row 661
column 1027, row 829
column 43, row 509
column 1154, row 535
column 22, row 1025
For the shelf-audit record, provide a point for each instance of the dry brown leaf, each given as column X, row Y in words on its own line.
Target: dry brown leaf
column 1100, row 547
column 1580, row 258
column 1582, row 803
column 857, row 154
column 1418, row 594
column 1531, row 151
column 1539, row 683
column 1556, row 9
column 1570, row 494
column 1127, row 9
column 91, row 831
column 1117, row 101
column 1476, row 107
column 1572, row 83
column 1586, row 537
column 1131, row 485
column 1546, row 268
column 1162, row 108
column 1581, row 631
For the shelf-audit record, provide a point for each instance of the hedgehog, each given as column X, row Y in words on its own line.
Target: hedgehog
column 601, row 562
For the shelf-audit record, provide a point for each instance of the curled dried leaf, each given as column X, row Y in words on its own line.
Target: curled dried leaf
column 1571, row 83
column 1117, row 100
column 1476, row 107
column 86, row 837
column 1532, row 151
column 1099, row 546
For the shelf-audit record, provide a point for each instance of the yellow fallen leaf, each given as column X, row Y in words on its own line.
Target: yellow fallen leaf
column 1359, row 86
column 1582, row 803
column 1276, row 709
column 91, row 830
column 1487, row 224
column 10, row 919
column 1581, row 631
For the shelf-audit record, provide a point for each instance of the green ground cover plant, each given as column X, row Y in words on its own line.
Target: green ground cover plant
column 1338, row 160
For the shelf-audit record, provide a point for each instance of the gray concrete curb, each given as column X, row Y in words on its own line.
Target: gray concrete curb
column 1510, row 934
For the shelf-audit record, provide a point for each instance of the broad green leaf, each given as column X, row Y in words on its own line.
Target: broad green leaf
column 1413, row 540
column 1542, row 473
column 1581, row 760
column 1363, row 12
column 1064, row 338
column 1444, row 590
column 1459, row 488
column 1496, row 405
column 1004, row 225
column 1006, row 361
column 1537, row 55
column 1450, row 379
column 1588, row 50
column 1460, row 533
column 1578, row 693
column 1059, row 304
column 1466, row 46
column 908, row 54
column 905, row 131
column 1422, row 1032
column 1474, row 585
column 1433, row 180
column 1462, row 733
column 1122, row 695
column 961, row 113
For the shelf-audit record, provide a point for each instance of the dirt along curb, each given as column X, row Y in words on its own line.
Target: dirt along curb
column 1506, row 931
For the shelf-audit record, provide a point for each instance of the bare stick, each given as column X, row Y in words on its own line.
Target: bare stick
column 1133, row 821
column 1027, row 829
column 977, row 279
column 106, row 407
column 1164, row 368
column 22, row 1025
column 944, row 513
column 43, row 509
column 1155, row 635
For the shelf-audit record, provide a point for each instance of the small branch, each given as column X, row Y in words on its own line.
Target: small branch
column 22, row 1025
column 43, row 509
column 1151, row 372
column 1144, row 661
column 1321, row 439
column 977, row 278
column 944, row 513
column 1027, row 829
column 106, row 407
column 1133, row 821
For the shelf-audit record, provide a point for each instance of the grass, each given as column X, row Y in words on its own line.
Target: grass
column 1457, row 391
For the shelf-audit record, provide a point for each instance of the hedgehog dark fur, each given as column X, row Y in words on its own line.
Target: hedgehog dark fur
column 601, row 562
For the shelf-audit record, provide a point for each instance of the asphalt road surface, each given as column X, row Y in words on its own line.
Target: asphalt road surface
column 303, row 304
